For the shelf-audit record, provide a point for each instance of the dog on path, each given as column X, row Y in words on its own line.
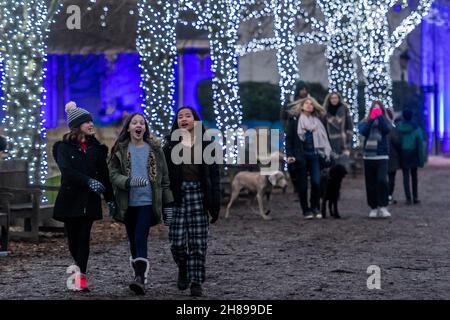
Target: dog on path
column 331, row 182
column 254, row 182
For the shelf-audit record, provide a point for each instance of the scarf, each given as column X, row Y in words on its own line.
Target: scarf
column 320, row 138
column 371, row 148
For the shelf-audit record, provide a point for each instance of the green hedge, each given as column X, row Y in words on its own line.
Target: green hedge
column 260, row 100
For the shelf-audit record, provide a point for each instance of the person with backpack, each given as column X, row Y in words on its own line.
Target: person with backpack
column 411, row 155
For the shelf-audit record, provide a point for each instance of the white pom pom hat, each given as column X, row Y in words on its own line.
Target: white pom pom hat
column 76, row 116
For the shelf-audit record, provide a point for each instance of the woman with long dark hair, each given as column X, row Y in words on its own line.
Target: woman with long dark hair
column 339, row 125
column 375, row 129
column 196, row 189
column 139, row 176
column 84, row 177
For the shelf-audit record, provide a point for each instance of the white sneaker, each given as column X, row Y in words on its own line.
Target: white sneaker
column 373, row 213
column 384, row 213
column 319, row 216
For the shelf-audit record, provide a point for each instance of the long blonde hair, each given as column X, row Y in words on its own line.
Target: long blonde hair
column 318, row 111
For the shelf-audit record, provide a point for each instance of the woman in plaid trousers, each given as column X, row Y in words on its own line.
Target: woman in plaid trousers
column 196, row 189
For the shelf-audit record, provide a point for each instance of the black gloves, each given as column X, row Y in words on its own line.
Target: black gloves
column 137, row 182
column 96, row 186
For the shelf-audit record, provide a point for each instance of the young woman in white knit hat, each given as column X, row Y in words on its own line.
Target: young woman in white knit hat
column 84, row 178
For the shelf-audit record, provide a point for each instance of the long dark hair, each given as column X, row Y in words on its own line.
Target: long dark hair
column 194, row 114
column 124, row 135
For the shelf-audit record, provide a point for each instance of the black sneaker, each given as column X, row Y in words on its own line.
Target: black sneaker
column 416, row 201
column 408, row 202
column 196, row 290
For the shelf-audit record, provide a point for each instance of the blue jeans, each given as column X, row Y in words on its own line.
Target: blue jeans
column 312, row 167
column 137, row 223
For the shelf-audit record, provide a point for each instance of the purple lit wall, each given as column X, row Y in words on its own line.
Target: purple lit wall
column 107, row 86
column 435, row 71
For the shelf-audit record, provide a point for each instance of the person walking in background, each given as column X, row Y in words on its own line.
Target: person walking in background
column 339, row 125
column 84, row 177
column 394, row 155
column 307, row 137
column 375, row 129
column 140, row 179
column 411, row 155
column 196, row 189
column 3, row 146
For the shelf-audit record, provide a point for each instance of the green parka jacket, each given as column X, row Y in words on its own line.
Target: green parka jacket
column 119, row 172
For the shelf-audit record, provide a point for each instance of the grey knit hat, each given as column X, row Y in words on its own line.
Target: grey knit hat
column 76, row 116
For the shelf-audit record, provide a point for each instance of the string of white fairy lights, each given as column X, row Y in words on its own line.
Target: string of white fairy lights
column 24, row 30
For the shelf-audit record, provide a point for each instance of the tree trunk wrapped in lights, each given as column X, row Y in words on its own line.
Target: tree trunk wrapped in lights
column 340, row 54
column 376, row 44
column 156, row 44
column 23, row 31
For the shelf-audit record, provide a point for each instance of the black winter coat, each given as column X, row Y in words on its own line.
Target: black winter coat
column 294, row 146
column 210, row 180
column 75, row 198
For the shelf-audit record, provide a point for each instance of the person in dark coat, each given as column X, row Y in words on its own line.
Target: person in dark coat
column 411, row 155
column 301, row 91
column 375, row 129
column 394, row 155
column 84, row 177
column 3, row 146
column 196, row 190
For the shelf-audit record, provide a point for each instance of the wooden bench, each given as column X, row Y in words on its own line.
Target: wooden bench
column 26, row 203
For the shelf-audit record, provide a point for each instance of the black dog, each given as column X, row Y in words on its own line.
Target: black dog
column 330, row 189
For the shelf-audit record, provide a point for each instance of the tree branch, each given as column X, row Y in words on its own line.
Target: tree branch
column 257, row 45
column 52, row 9
column 407, row 25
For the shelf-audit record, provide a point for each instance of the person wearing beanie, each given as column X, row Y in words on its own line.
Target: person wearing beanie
column 140, row 179
column 411, row 155
column 84, row 178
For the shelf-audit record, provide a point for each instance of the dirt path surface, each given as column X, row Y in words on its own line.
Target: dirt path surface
column 285, row 258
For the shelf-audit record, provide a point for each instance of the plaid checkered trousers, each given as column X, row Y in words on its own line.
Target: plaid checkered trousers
column 188, row 232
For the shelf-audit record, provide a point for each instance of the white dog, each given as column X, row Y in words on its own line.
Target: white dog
column 257, row 183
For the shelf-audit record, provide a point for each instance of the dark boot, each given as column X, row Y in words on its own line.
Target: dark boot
column 196, row 290
column 141, row 267
column 183, row 281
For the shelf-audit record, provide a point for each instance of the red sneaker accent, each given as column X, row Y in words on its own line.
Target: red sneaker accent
column 82, row 283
